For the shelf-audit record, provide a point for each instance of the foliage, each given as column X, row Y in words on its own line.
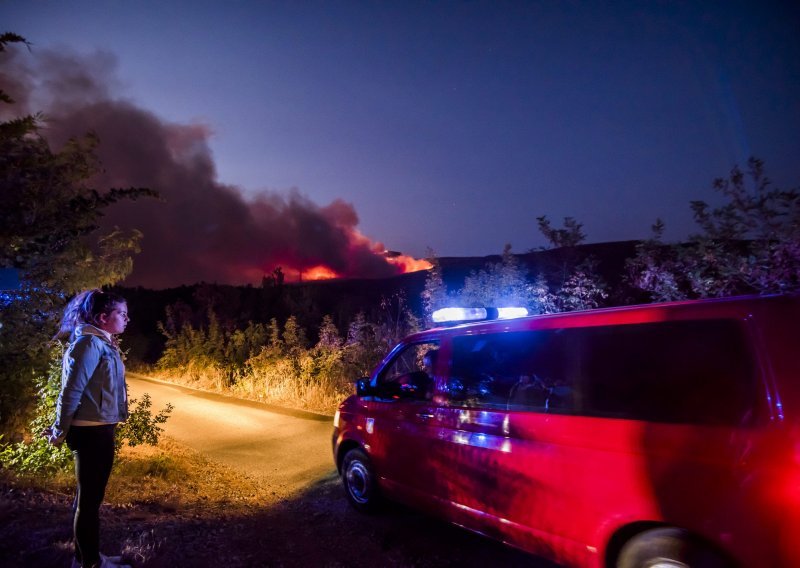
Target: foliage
column 278, row 363
column 141, row 427
column 48, row 234
column 366, row 343
column 750, row 244
column 584, row 289
column 398, row 318
column 36, row 456
column 434, row 295
column 570, row 236
column 656, row 267
column 576, row 283
column 5, row 39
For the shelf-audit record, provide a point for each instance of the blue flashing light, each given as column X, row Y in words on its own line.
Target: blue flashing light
column 446, row 315
column 511, row 313
column 454, row 315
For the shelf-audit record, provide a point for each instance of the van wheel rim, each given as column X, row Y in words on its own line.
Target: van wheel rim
column 664, row 563
column 358, row 482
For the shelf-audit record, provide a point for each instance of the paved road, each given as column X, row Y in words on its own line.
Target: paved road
column 289, row 449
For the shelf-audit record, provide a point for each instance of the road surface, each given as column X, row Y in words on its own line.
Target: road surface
column 288, row 449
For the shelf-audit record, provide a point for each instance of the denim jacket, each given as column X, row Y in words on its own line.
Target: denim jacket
column 92, row 381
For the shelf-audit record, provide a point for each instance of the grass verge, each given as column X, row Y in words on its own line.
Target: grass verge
column 163, row 506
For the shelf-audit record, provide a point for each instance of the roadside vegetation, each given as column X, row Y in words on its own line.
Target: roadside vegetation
column 277, row 363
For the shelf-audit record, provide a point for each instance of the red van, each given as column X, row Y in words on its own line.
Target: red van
column 656, row 435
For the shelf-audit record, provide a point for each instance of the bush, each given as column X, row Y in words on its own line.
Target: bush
column 141, row 427
column 35, row 456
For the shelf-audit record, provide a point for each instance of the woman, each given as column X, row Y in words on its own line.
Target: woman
column 93, row 399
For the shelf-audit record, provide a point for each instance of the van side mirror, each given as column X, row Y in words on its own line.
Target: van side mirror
column 363, row 388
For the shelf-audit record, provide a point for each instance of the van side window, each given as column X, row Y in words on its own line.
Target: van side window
column 530, row 370
column 697, row 372
column 692, row 372
column 410, row 374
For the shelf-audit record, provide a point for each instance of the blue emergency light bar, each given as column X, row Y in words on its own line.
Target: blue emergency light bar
column 454, row 315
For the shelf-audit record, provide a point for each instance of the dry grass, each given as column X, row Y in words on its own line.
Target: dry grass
column 158, row 499
column 172, row 474
column 271, row 387
column 169, row 473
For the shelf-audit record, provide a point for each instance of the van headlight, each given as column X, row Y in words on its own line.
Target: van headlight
column 336, row 419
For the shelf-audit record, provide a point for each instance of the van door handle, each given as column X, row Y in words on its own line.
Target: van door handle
column 426, row 415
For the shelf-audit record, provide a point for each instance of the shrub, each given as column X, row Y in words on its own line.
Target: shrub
column 35, row 456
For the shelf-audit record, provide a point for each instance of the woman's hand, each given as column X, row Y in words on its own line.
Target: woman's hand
column 54, row 437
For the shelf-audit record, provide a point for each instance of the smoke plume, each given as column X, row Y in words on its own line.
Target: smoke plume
column 201, row 229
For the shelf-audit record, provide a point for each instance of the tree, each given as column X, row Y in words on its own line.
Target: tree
column 500, row 284
column 578, row 286
column 5, row 39
column 49, row 235
column 583, row 290
column 570, row 236
column 750, row 244
column 364, row 345
column 398, row 319
column 564, row 243
column 434, row 295
column 329, row 338
column 656, row 267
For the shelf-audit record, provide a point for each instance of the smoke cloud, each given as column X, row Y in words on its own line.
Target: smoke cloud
column 202, row 229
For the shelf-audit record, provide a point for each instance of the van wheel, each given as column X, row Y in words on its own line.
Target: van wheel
column 668, row 548
column 360, row 482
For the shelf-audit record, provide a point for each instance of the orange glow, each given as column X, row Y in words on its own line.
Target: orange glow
column 318, row 273
column 357, row 244
column 408, row 263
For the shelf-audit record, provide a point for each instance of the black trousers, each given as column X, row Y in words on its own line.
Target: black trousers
column 93, row 448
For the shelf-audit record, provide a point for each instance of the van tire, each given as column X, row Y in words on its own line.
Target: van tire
column 668, row 547
column 360, row 481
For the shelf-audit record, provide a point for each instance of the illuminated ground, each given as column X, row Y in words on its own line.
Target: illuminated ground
column 174, row 507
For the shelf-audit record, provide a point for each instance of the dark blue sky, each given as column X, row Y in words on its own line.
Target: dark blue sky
column 453, row 125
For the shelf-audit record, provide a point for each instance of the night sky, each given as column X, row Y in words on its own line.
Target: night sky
column 278, row 132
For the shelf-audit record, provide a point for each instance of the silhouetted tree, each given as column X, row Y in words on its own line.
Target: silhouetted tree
column 750, row 244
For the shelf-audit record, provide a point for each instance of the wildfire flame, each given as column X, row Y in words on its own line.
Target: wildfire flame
column 402, row 263
column 320, row 272
column 409, row 263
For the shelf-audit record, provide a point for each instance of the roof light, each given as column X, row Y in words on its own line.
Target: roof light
column 446, row 315
column 510, row 313
column 454, row 315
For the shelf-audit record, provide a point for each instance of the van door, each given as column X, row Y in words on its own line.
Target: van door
column 397, row 420
column 497, row 475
